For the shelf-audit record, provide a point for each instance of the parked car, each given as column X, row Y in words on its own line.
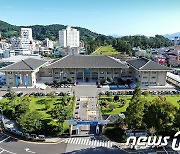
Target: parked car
column 41, row 137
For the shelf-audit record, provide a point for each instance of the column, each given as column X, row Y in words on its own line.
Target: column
column 70, row 130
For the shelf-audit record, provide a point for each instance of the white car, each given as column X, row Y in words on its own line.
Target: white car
column 69, row 93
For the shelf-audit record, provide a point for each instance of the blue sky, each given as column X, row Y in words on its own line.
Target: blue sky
column 121, row 17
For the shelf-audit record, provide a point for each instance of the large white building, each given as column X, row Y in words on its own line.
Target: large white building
column 69, row 37
column 26, row 38
column 23, row 45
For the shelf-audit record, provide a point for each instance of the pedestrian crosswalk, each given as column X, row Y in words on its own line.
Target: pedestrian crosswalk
column 89, row 142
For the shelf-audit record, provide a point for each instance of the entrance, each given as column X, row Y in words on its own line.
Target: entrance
column 86, row 127
column 87, row 75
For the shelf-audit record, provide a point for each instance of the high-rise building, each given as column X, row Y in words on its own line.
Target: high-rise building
column 26, row 38
column 26, row 33
column 69, row 37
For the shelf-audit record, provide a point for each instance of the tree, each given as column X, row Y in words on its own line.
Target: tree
column 135, row 111
column 137, row 92
column 69, row 80
column 159, row 114
column 146, row 93
column 60, row 113
column 30, row 122
column 116, row 98
column 134, row 114
column 177, row 120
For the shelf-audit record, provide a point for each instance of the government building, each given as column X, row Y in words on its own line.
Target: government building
column 84, row 68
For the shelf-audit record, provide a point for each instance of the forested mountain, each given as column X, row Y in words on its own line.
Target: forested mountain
column 40, row 32
column 92, row 40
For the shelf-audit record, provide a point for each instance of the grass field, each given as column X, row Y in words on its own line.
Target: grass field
column 170, row 98
column 40, row 104
column 105, row 50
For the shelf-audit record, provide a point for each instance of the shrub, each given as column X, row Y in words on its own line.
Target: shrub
column 110, row 99
column 116, row 98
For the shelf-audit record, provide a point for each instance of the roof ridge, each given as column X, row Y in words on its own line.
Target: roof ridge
column 27, row 64
column 149, row 60
column 58, row 60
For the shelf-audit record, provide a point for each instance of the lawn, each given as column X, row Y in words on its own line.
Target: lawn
column 43, row 105
column 105, row 50
column 117, row 110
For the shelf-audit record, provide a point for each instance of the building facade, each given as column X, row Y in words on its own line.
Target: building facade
column 87, row 68
column 69, row 37
column 84, row 68
column 148, row 72
column 23, row 73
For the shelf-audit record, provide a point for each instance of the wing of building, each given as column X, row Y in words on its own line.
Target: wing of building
column 148, row 72
column 23, row 73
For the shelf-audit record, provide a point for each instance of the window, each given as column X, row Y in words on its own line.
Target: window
column 153, row 83
column 56, row 77
column 144, row 77
column 115, row 72
column 9, row 77
column 108, row 72
column 71, row 72
column 153, row 77
column 101, row 77
column 153, row 72
column 9, row 72
column 56, row 73
column 145, row 72
column 102, row 73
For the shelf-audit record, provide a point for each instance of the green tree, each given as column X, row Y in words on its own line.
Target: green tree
column 30, row 122
column 60, row 113
column 134, row 114
column 159, row 114
column 135, row 111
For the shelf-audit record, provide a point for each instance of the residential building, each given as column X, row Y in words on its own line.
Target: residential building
column 148, row 72
column 69, row 37
column 173, row 58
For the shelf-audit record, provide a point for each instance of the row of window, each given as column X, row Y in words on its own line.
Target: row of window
column 92, row 73
column 148, row 72
column 145, row 77
column 146, row 83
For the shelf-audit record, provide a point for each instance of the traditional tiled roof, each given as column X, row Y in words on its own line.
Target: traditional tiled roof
column 146, row 64
column 26, row 64
column 87, row 61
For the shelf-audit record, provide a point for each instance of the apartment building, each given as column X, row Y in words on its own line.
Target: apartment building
column 69, row 37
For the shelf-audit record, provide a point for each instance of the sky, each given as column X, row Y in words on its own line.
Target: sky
column 109, row 17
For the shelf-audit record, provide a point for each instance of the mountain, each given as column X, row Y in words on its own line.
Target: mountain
column 40, row 32
column 171, row 36
column 116, row 36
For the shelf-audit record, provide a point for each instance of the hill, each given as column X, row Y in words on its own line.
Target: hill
column 40, row 32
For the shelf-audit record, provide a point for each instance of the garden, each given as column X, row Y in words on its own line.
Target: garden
column 39, row 114
column 116, row 104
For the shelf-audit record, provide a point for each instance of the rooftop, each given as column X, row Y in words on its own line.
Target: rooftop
column 26, row 64
column 173, row 76
column 87, row 61
column 146, row 64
